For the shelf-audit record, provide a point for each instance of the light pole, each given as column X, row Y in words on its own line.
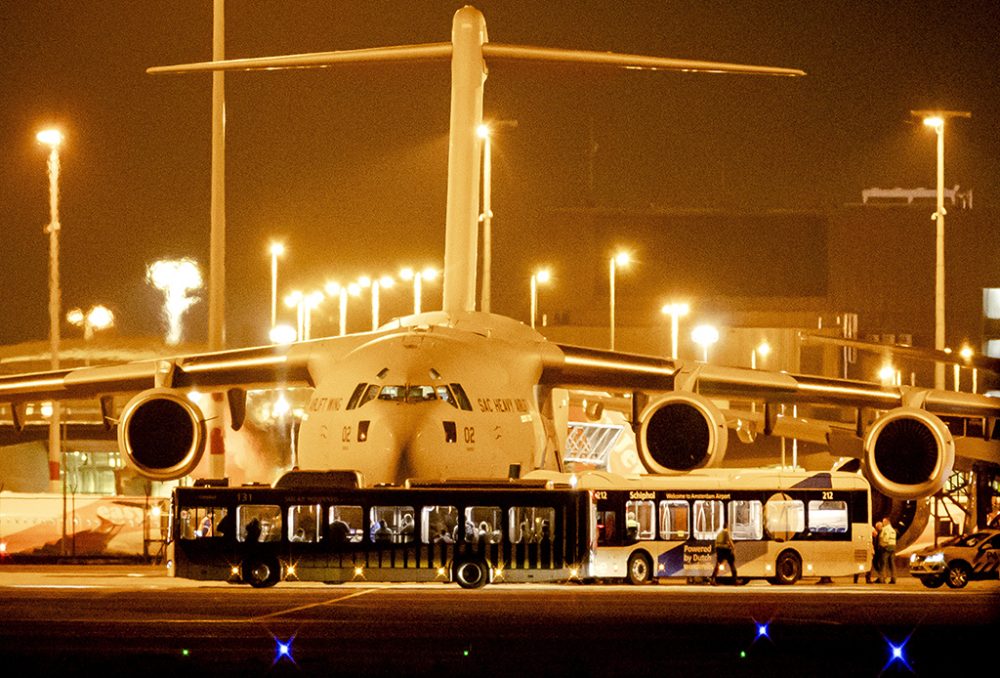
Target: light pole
column 619, row 260
column 541, row 276
column 966, row 353
column 763, row 350
column 311, row 302
column 377, row 284
column 96, row 318
column 53, row 138
column 418, row 277
column 277, row 249
column 675, row 311
column 295, row 300
column 176, row 278
column 704, row 336
column 936, row 120
column 335, row 289
column 485, row 132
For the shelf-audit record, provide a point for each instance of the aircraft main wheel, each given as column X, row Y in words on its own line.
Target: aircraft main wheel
column 932, row 582
column 640, row 570
column 957, row 576
column 261, row 573
column 788, row 568
column 471, row 574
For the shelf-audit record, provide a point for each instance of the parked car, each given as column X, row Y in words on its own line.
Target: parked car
column 958, row 561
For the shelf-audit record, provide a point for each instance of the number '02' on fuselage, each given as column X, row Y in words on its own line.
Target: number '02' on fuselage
column 445, row 403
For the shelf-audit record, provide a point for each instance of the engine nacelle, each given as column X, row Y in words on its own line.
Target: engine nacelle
column 162, row 434
column 681, row 431
column 909, row 453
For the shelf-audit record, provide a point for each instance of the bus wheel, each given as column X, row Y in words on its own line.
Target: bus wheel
column 261, row 572
column 471, row 574
column 788, row 568
column 640, row 571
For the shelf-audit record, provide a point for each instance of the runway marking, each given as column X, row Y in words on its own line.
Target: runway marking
column 311, row 605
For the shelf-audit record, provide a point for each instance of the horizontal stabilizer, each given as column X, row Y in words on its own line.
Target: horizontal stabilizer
column 630, row 61
column 443, row 50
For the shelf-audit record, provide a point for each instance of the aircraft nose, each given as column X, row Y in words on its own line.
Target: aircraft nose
column 412, row 440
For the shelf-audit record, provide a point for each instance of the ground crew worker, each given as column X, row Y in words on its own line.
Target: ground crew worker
column 724, row 553
column 887, row 544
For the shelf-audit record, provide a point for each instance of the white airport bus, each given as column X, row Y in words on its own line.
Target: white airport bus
column 786, row 524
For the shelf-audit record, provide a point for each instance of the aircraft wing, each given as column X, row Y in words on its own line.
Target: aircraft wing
column 579, row 367
column 262, row 367
column 242, row 367
column 909, row 437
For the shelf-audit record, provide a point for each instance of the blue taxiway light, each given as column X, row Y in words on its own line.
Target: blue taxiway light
column 897, row 654
column 283, row 649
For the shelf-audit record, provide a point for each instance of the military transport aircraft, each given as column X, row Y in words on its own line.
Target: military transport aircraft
column 465, row 393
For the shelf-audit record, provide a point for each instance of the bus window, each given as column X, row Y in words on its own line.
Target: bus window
column 708, row 518
column 201, row 521
column 346, row 524
column 674, row 520
column 745, row 519
column 304, row 522
column 482, row 522
column 784, row 517
column 262, row 520
column 398, row 521
column 640, row 517
column 606, row 531
column 439, row 524
column 828, row 517
column 531, row 524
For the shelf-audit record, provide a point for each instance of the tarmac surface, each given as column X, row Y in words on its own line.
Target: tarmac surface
column 134, row 620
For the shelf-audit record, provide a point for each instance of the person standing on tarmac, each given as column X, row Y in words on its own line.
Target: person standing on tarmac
column 724, row 553
column 876, row 567
column 887, row 544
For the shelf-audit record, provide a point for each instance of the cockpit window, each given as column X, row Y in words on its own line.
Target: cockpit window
column 414, row 394
column 463, row 400
column 397, row 393
column 409, row 393
column 355, row 396
column 444, row 393
column 370, row 394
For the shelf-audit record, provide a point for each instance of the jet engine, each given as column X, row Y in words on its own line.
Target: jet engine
column 681, row 431
column 162, row 434
column 909, row 453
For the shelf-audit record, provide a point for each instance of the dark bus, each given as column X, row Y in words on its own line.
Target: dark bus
column 469, row 533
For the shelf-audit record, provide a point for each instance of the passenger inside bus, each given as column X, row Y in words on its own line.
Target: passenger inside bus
column 382, row 534
column 339, row 531
column 406, row 528
column 253, row 530
column 205, row 530
column 631, row 527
